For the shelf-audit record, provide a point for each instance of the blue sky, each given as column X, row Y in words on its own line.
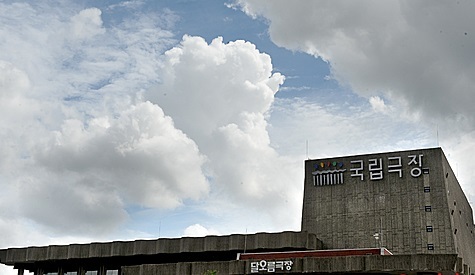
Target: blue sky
column 145, row 119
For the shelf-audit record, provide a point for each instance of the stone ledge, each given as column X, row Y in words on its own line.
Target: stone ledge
column 235, row 242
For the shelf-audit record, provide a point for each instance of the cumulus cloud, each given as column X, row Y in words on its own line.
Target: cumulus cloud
column 94, row 169
column 416, row 52
column 139, row 155
column 222, row 82
column 220, row 96
column 70, row 111
column 87, row 145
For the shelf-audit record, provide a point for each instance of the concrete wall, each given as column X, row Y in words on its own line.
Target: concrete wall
column 235, row 242
column 408, row 264
column 461, row 219
column 347, row 214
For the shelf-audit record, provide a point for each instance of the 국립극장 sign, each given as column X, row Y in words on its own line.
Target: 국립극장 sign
column 332, row 172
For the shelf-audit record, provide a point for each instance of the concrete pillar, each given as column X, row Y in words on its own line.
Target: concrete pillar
column 21, row 271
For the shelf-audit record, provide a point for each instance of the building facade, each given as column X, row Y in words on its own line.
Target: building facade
column 409, row 202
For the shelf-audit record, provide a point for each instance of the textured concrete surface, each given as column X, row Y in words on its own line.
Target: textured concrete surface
column 408, row 197
column 170, row 247
column 376, row 264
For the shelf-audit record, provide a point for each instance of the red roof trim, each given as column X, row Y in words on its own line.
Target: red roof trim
column 313, row 254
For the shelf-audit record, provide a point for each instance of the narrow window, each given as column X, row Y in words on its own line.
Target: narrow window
column 429, row 228
column 430, row 246
column 426, row 189
column 455, row 231
column 428, row 208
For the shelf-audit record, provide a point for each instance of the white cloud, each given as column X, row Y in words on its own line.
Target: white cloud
column 220, row 95
column 128, row 4
column 416, row 52
column 197, row 230
column 378, row 104
column 140, row 154
column 87, row 24
column 94, row 145
column 222, row 81
column 16, row 109
column 67, row 78
column 345, row 129
column 12, row 80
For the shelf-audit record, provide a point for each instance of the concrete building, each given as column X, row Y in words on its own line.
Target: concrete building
column 409, row 202
column 390, row 213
